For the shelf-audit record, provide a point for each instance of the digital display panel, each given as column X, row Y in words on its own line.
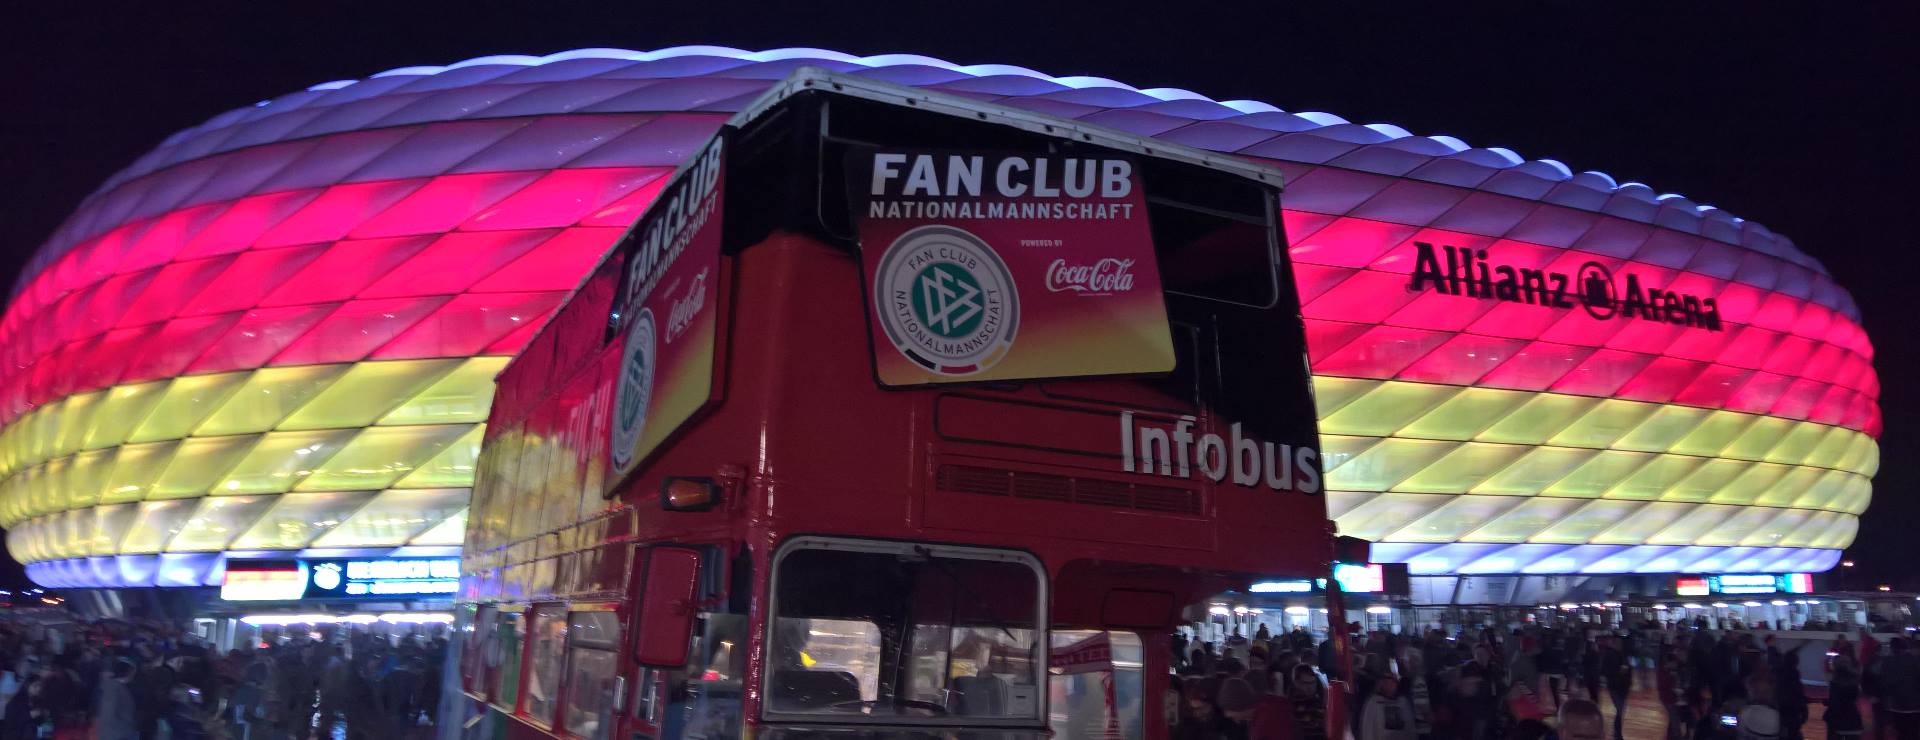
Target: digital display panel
column 340, row 578
column 1360, row 579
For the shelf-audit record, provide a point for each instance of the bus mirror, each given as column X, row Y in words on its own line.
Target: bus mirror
column 665, row 623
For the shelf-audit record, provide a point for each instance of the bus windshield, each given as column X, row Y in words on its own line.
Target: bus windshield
column 898, row 632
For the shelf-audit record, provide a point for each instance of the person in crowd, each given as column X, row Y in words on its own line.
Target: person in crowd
column 1254, row 715
column 1789, row 694
column 1675, row 692
column 1843, row 697
column 1591, row 675
column 1309, row 700
column 1616, row 668
column 1900, row 689
column 1580, row 719
column 1415, row 683
column 113, row 711
column 1201, row 718
column 1552, row 664
column 1385, row 714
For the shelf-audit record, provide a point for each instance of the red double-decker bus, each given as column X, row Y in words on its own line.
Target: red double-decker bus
column 896, row 415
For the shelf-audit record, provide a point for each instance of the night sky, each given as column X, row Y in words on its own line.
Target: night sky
column 1793, row 118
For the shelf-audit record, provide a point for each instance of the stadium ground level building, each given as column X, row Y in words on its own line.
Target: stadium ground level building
column 274, row 336
column 1404, row 604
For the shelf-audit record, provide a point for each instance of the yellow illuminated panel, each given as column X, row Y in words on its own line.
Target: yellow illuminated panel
column 185, row 403
column 135, row 469
column 1538, row 419
column 1468, row 413
column 366, row 392
column 1661, row 430
column 1762, row 435
column 124, row 407
column 463, row 396
column 1536, row 470
column 1386, row 463
column 1387, row 512
column 1604, row 424
column 155, row 524
column 1600, row 473
column 378, row 456
column 1459, row 516
column 452, row 468
column 1705, row 480
column 297, row 519
column 1463, row 469
column 1714, row 433
column 197, row 463
column 216, row 522
column 1386, row 409
column 394, row 517
column 1524, row 520
column 1331, row 393
column 1582, row 526
column 110, row 525
column 282, row 459
column 450, row 532
column 270, row 394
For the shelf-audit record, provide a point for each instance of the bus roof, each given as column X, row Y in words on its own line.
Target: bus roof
column 818, row 79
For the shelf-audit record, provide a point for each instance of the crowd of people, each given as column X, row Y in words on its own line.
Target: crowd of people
column 1539, row 681
column 133, row 681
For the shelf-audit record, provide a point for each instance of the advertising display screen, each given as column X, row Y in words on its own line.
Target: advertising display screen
column 1000, row 266
column 1744, row 584
column 340, row 578
column 1300, row 586
column 667, row 310
column 1360, row 579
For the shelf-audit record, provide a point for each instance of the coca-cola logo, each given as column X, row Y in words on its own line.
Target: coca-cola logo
column 686, row 307
column 1106, row 277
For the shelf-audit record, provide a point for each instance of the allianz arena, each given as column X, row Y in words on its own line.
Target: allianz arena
column 277, row 331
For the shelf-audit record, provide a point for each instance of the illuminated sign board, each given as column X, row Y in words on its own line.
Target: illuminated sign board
column 1472, row 273
column 271, row 580
column 340, row 578
column 1360, row 579
column 1743, row 584
column 1282, row 587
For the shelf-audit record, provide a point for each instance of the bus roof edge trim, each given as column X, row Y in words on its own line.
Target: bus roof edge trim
column 810, row 78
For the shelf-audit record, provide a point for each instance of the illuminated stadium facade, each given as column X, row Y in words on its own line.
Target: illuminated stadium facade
column 276, row 333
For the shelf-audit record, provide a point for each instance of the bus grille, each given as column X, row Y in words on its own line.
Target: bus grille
column 1067, row 489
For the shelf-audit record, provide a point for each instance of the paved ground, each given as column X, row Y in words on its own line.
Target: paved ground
column 1647, row 720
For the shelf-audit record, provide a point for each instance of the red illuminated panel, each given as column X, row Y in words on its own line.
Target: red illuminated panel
column 250, row 278
column 344, row 270
column 352, row 332
column 556, row 264
column 454, row 262
column 258, row 336
column 339, row 209
column 470, row 323
column 444, row 203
